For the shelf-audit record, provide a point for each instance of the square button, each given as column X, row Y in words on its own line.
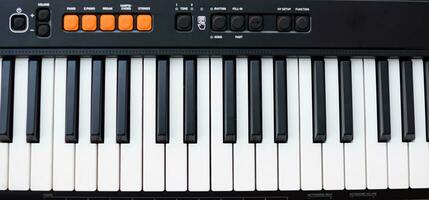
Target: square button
column 89, row 23
column 144, row 22
column 43, row 14
column 126, row 22
column 19, row 23
column 107, row 23
column 71, row 22
column 183, row 22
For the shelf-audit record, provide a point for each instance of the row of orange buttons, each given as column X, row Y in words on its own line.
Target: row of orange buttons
column 90, row 23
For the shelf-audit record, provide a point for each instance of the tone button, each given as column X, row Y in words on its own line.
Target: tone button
column 144, row 22
column 89, row 23
column 71, row 22
column 107, row 22
column 126, row 23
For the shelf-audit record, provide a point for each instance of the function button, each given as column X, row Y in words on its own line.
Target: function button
column 71, row 22
column 218, row 22
column 256, row 23
column 302, row 23
column 43, row 14
column 284, row 23
column 89, row 22
column 19, row 23
column 183, row 22
column 238, row 23
column 126, row 22
column 144, row 22
column 43, row 30
column 107, row 23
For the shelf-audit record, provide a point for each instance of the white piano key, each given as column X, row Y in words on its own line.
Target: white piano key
column 266, row 151
column 109, row 151
column 221, row 154
column 176, row 149
column 199, row 153
column 19, row 149
column 397, row 151
column 354, row 152
column 41, row 153
column 86, row 153
column 376, row 155
column 311, row 160
column 64, row 154
column 4, row 156
column 244, row 152
column 289, row 153
column 333, row 149
column 153, row 153
column 419, row 149
column 131, row 153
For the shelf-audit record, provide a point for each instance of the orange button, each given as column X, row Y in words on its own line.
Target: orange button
column 107, row 22
column 144, row 22
column 71, row 22
column 126, row 22
column 89, row 23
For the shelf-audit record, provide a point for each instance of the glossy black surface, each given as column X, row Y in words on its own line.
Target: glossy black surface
column 72, row 100
column 383, row 100
column 33, row 100
column 346, row 100
column 255, row 100
column 319, row 101
column 97, row 100
column 229, row 101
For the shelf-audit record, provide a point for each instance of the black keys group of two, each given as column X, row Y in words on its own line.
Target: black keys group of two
column 190, row 100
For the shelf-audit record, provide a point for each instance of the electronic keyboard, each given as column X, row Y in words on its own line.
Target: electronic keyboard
column 226, row 99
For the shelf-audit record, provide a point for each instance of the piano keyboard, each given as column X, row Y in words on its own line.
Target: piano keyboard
column 213, row 123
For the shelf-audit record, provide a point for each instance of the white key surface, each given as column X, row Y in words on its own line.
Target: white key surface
column 333, row 149
column 109, row 151
column 41, row 153
column 131, row 153
column 266, row 151
column 4, row 155
column 199, row 153
column 397, row 151
column 19, row 149
column 289, row 153
column 311, row 160
column 86, row 153
column 376, row 155
column 153, row 153
column 176, row 149
column 354, row 152
column 221, row 154
column 64, row 154
column 419, row 148
column 244, row 152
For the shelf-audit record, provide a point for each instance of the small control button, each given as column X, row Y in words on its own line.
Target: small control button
column 256, row 23
column 43, row 30
column 144, row 22
column 89, row 22
column 183, row 22
column 302, row 23
column 284, row 23
column 43, row 14
column 19, row 23
column 107, row 23
column 71, row 22
column 126, row 22
column 238, row 23
column 218, row 22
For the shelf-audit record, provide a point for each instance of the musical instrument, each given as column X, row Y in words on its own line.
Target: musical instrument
column 182, row 99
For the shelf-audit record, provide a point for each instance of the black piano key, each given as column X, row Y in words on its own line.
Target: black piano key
column 97, row 100
column 407, row 101
column 72, row 101
column 346, row 102
column 383, row 101
column 255, row 101
column 123, row 101
column 33, row 100
column 319, row 101
column 229, row 101
column 280, row 101
column 190, row 101
column 426, row 75
column 162, row 101
column 6, row 106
